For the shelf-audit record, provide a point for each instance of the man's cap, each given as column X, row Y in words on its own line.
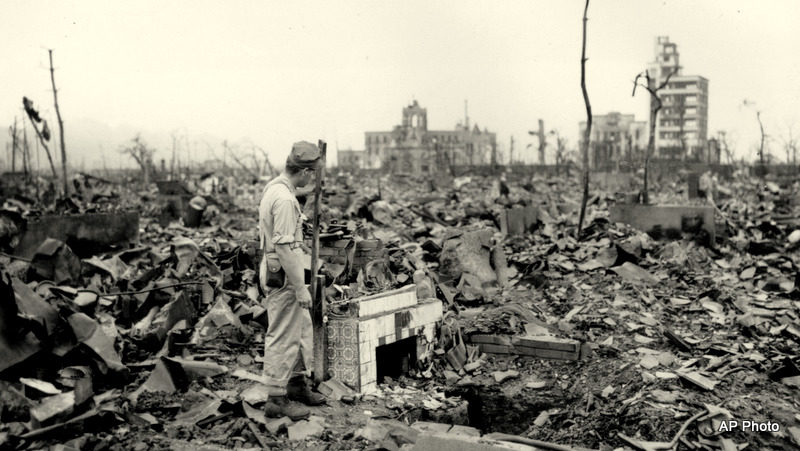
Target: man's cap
column 304, row 154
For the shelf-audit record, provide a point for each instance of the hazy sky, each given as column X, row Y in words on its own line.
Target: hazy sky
column 277, row 72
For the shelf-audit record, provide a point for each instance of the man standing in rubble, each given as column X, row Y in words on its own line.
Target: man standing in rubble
column 288, row 345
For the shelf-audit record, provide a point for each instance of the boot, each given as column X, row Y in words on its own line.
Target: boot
column 299, row 389
column 279, row 406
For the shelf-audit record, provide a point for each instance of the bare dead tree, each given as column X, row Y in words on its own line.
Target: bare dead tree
column 752, row 105
column 790, row 145
column 142, row 154
column 655, row 107
column 272, row 172
column 60, row 124
column 561, row 150
column 13, row 132
column 174, row 156
column 588, row 132
column 26, row 153
column 43, row 135
column 238, row 161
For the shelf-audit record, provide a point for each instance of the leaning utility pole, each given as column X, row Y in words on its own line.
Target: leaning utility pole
column 588, row 132
column 60, row 124
column 511, row 152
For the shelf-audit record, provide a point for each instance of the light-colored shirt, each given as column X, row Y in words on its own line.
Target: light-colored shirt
column 280, row 218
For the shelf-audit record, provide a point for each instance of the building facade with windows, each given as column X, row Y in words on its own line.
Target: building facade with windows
column 616, row 139
column 682, row 122
column 411, row 148
column 350, row 159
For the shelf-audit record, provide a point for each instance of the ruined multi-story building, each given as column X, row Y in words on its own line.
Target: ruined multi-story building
column 682, row 123
column 412, row 148
column 616, row 139
column 350, row 159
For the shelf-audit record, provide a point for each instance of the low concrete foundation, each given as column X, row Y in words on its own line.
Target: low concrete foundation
column 666, row 221
column 86, row 234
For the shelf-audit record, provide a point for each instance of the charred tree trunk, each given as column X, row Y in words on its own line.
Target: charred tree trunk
column 46, row 149
column 14, row 147
column 60, row 125
column 588, row 132
column 655, row 106
column 761, row 145
column 651, row 145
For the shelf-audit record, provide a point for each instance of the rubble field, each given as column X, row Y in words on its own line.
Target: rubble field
column 115, row 336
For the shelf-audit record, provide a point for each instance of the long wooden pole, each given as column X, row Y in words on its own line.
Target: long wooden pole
column 318, row 303
column 60, row 125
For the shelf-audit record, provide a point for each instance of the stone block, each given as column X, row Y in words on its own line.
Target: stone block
column 666, row 221
column 489, row 339
column 495, row 349
column 518, row 220
column 547, row 353
column 546, row 342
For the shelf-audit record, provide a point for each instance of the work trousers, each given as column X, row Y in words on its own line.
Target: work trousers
column 289, row 343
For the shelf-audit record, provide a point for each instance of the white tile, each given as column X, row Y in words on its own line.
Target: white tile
column 365, row 351
column 369, row 388
column 368, row 372
column 366, row 330
column 368, row 308
column 388, row 325
column 382, row 326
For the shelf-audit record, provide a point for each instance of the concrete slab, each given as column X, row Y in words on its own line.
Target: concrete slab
column 383, row 302
column 666, row 221
column 468, row 431
column 86, row 234
column 430, row 427
column 455, row 442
